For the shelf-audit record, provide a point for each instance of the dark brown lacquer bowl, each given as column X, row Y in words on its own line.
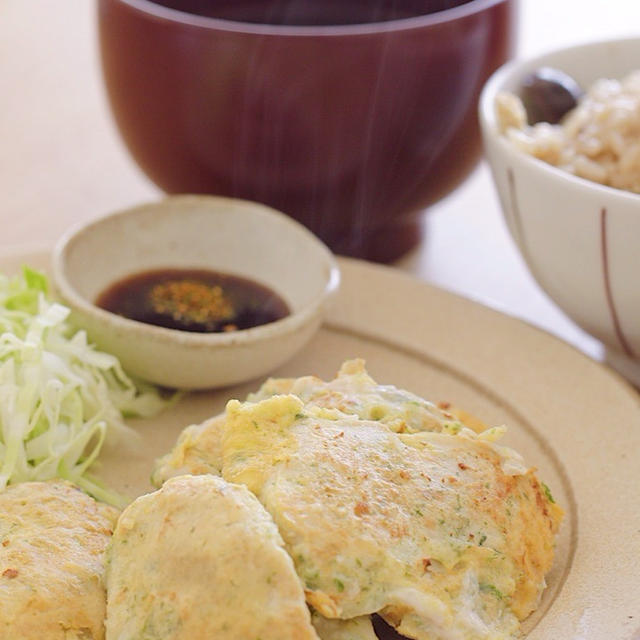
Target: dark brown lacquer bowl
column 351, row 116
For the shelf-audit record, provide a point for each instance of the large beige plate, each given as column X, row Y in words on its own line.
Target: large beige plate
column 575, row 420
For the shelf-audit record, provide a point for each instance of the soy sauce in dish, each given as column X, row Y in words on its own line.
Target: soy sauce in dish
column 196, row 300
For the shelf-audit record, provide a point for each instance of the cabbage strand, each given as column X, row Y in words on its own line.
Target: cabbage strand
column 60, row 398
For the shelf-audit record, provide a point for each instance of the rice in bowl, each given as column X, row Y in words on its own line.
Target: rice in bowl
column 598, row 140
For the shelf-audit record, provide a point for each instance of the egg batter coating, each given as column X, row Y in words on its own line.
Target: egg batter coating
column 200, row 559
column 353, row 391
column 359, row 628
column 197, row 451
column 52, row 543
column 446, row 536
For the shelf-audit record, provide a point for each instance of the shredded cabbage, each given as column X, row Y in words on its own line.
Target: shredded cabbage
column 60, row 398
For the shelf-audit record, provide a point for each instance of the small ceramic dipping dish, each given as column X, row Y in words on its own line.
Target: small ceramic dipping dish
column 221, row 235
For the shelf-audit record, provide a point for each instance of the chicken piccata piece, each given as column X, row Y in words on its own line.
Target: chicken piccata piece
column 201, row 558
column 446, row 535
column 53, row 539
column 353, row 392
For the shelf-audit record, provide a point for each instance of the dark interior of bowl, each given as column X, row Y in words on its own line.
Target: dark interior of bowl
column 311, row 12
column 383, row 630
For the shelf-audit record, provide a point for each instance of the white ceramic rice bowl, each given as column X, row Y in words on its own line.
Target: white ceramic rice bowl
column 581, row 240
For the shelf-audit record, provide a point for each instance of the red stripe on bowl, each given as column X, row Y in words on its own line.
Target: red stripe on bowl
column 607, row 285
